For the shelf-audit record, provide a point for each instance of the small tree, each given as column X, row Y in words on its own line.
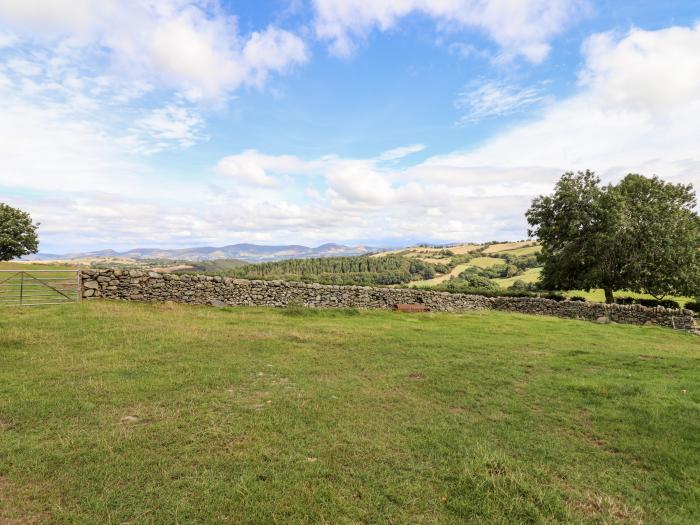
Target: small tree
column 17, row 233
column 640, row 235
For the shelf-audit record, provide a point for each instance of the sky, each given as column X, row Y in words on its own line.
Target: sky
column 179, row 123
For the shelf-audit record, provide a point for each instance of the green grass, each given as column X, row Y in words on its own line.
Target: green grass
column 527, row 250
column 34, row 266
column 298, row 416
column 530, row 275
column 486, row 262
column 598, row 296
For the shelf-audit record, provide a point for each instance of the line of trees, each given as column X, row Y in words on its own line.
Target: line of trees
column 361, row 270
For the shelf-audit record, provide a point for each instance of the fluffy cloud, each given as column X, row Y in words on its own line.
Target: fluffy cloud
column 648, row 71
column 257, row 169
column 638, row 110
column 519, row 27
column 166, row 126
column 188, row 45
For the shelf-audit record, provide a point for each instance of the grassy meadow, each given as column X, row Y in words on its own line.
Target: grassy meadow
column 29, row 266
column 160, row 413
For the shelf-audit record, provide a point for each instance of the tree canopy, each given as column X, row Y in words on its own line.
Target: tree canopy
column 641, row 235
column 18, row 235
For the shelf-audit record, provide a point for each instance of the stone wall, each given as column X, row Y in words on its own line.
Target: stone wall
column 626, row 314
column 136, row 285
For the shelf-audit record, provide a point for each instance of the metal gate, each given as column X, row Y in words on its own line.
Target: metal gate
column 35, row 287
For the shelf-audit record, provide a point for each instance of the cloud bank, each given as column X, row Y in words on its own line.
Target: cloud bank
column 76, row 148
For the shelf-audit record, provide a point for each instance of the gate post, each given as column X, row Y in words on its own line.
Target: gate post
column 21, row 287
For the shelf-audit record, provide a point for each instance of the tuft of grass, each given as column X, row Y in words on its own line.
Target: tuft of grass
column 299, row 310
column 164, row 413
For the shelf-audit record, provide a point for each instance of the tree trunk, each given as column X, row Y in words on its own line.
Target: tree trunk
column 609, row 295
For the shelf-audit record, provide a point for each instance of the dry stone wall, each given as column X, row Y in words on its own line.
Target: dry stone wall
column 136, row 285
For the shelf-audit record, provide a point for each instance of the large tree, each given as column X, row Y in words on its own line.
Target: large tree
column 642, row 235
column 660, row 231
column 17, row 233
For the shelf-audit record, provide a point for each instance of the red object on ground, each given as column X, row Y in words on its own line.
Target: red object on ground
column 411, row 308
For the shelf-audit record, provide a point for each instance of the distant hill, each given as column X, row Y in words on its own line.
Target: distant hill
column 246, row 252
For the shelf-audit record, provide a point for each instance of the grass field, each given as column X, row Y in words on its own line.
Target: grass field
column 598, row 296
column 507, row 247
column 28, row 266
column 530, row 275
column 487, row 262
column 135, row 413
column 525, row 250
column 441, row 278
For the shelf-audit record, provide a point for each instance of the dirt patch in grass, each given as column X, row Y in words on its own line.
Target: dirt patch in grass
column 10, row 513
column 603, row 508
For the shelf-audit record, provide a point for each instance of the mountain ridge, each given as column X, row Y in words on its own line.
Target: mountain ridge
column 245, row 251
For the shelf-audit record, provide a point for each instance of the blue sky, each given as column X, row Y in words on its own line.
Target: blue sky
column 204, row 122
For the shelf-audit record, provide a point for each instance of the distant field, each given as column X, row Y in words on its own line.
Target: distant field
column 442, row 278
column 423, row 252
column 27, row 266
column 486, row 262
column 136, row 413
column 507, row 246
column 598, row 296
column 464, row 248
column 530, row 275
column 526, row 250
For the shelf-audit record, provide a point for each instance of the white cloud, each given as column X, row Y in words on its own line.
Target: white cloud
column 401, row 152
column 495, row 98
column 167, row 126
column 23, row 67
column 188, row 45
column 638, row 110
column 7, row 40
column 45, row 148
column 519, row 27
column 273, row 50
column 56, row 15
column 651, row 71
column 258, row 169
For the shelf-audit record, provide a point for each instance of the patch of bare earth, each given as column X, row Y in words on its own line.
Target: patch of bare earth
column 603, row 508
column 10, row 511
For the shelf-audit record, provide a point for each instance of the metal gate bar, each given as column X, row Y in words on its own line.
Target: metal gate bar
column 39, row 287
